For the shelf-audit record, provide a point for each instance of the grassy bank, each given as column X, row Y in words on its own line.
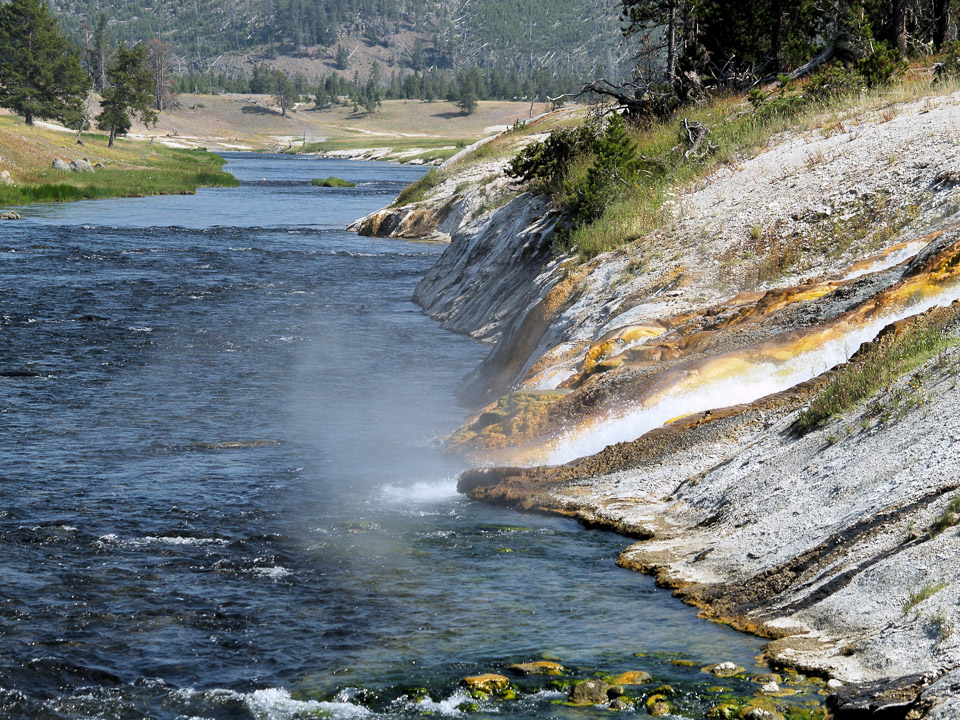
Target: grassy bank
column 129, row 169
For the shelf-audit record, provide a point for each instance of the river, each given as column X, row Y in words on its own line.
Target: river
column 219, row 493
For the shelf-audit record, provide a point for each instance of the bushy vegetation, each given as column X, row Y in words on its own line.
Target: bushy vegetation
column 612, row 177
column 880, row 365
column 333, row 182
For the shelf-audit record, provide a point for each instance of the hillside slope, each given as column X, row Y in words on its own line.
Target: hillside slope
column 665, row 390
column 303, row 35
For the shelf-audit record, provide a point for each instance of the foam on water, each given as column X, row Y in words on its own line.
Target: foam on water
column 422, row 492
column 276, row 704
column 752, row 378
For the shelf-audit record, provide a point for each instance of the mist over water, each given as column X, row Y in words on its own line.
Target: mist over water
column 219, row 496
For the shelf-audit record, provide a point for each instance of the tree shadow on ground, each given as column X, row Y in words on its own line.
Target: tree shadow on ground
column 259, row 110
column 448, row 115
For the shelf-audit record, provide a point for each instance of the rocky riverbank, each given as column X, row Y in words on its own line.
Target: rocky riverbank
column 664, row 390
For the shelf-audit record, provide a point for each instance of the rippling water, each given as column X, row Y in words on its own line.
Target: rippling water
column 218, row 497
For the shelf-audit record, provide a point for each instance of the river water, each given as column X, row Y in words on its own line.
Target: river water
column 219, row 496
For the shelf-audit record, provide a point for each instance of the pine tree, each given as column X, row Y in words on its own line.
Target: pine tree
column 130, row 92
column 100, row 54
column 614, row 170
column 40, row 72
column 285, row 94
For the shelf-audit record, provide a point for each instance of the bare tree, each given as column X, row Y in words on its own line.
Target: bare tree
column 159, row 61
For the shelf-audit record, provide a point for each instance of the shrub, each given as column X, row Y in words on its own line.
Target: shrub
column 547, row 163
column 949, row 66
column 832, row 82
column 614, row 170
column 882, row 66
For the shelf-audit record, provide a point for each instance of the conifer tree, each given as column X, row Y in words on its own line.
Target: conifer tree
column 285, row 94
column 40, row 72
column 130, row 92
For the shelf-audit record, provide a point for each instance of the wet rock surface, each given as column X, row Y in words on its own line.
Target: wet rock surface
column 818, row 541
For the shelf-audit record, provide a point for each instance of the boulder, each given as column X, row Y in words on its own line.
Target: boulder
column 10, row 215
column 98, row 165
column 60, row 165
column 590, row 692
column 631, row 677
column 6, row 178
column 724, row 669
column 619, row 705
column 491, row 684
column 81, row 166
column 541, row 667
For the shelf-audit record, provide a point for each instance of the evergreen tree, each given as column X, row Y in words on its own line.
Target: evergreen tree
column 130, row 92
column 614, row 170
column 343, row 57
column 285, row 93
column 467, row 93
column 100, row 54
column 40, row 72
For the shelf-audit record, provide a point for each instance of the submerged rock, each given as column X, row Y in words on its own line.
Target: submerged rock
column 724, row 669
column 631, row 677
column 540, row 667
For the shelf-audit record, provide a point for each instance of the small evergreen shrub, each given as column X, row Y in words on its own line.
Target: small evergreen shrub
column 833, row 81
column 547, row 163
column 949, row 67
column 881, row 67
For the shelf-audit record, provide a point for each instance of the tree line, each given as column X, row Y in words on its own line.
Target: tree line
column 745, row 40
column 464, row 87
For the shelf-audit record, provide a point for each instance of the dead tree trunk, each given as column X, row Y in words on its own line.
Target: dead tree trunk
column 941, row 22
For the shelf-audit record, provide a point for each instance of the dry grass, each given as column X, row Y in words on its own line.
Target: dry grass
column 251, row 121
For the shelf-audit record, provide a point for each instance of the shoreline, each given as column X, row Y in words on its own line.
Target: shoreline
column 824, row 541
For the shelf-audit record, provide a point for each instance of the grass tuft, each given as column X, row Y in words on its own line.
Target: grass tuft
column 333, row 182
column 418, row 191
column 918, row 596
column 879, row 366
column 950, row 518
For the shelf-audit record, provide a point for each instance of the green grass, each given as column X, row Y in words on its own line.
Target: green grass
column 418, row 191
column 333, row 182
column 918, row 596
column 948, row 519
column 878, row 367
column 174, row 172
column 736, row 133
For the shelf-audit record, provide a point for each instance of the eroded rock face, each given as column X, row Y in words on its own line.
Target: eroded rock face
column 811, row 540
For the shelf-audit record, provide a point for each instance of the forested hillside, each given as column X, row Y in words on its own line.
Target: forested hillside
column 568, row 36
